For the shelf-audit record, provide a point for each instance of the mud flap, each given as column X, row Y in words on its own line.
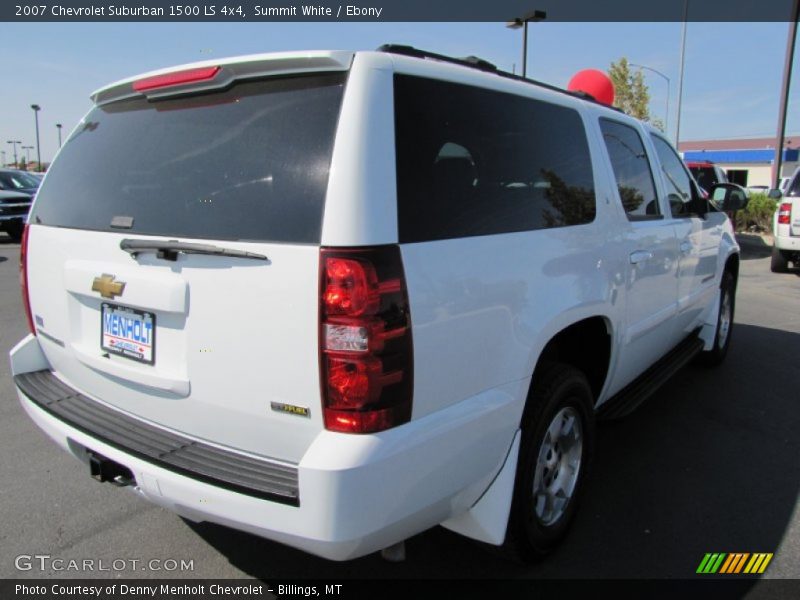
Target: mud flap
column 708, row 332
column 487, row 520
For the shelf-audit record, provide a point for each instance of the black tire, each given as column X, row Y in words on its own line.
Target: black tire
column 722, row 334
column 779, row 263
column 557, row 389
column 14, row 230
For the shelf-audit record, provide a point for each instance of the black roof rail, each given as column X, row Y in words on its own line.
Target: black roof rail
column 473, row 62
column 470, row 61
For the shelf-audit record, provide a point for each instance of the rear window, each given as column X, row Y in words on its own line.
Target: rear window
column 471, row 162
column 247, row 163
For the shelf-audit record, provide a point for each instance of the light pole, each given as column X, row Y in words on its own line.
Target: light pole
column 14, row 142
column 787, row 80
column 58, row 126
column 3, row 154
column 27, row 153
column 36, row 108
column 680, row 76
column 666, row 118
column 516, row 23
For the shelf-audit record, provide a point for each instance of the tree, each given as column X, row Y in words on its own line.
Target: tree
column 631, row 93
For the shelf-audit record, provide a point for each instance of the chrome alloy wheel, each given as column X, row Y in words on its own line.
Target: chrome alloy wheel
column 558, row 466
column 724, row 319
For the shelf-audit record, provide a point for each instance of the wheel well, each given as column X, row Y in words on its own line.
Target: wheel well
column 586, row 345
column 732, row 265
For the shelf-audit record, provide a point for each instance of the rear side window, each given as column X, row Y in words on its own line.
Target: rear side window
column 476, row 162
column 631, row 170
column 247, row 163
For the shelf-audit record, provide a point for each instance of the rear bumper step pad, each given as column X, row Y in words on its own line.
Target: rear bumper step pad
column 261, row 478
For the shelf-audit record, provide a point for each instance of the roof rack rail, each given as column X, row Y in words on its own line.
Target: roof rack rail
column 470, row 61
column 473, row 62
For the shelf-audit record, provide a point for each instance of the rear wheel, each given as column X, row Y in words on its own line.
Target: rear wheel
column 722, row 337
column 555, row 450
column 779, row 263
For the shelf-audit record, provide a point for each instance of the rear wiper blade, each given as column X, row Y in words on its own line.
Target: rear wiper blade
column 170, row 249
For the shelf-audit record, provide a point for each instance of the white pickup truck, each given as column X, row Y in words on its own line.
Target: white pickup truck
column 786, row 225
column 337, row 298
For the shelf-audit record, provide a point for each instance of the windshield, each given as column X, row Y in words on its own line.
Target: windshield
column 247, row 163
column 17, row 180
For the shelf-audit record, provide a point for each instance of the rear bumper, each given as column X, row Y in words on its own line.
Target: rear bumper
column 785, row 242
column 355, row 494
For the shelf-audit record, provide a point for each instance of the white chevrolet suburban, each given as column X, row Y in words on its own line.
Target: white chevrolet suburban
column 335, row 299
column 786, row 226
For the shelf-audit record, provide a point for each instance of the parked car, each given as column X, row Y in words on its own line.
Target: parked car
column 758, row 189
column 14, row 208
column 337, row 298
column 13, row 180
column 786, row 226
column 706, row 173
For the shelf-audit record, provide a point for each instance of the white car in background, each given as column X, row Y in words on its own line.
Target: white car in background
column 786, row 226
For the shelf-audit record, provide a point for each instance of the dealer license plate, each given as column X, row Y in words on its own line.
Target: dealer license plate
column 128, row 332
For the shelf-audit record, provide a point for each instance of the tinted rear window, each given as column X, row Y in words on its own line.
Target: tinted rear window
column 471, row 161
column 248, row 163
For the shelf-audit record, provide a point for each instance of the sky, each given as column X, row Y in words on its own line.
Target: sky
column 731, row 87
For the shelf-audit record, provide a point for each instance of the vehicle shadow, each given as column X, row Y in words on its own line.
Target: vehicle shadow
column 710, row 463
column 753, row 246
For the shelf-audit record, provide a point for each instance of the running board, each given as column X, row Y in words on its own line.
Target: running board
column 636, row 392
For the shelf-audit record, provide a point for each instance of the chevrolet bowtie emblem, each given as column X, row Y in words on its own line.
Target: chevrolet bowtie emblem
column 107, row 287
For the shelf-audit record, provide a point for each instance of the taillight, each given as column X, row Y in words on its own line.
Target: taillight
column 176, row 78
column 366, row 356
column 785, row 213
column 23, row 278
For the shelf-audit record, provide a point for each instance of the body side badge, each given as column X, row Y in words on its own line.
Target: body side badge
column 290, row 409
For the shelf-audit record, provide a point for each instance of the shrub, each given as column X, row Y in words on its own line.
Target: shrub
column 758, row 214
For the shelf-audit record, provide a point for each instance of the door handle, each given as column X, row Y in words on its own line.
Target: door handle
column 686, row 246
column 641, row 256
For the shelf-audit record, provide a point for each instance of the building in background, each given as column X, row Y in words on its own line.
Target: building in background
column 747, row 161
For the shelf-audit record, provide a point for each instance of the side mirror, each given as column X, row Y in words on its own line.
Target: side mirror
column 729, row 196
column 775, row 194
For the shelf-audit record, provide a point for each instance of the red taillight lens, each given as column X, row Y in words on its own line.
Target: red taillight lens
column 176, row 78
column 785, row 213
column 351, row 287
column 366, row 357
column 23, row 278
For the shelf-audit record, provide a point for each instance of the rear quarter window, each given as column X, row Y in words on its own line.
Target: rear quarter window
column 472, row 161
column 247, row 163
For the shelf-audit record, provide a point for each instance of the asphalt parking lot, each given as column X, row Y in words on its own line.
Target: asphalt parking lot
column 711, row 463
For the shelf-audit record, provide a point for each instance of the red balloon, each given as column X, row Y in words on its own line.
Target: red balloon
column 595, row 83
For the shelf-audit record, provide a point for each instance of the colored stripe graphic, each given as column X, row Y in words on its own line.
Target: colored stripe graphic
column 735, row 562
column 703, row 563
column 742, row 560
column 758, row 563
column 711, row 563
